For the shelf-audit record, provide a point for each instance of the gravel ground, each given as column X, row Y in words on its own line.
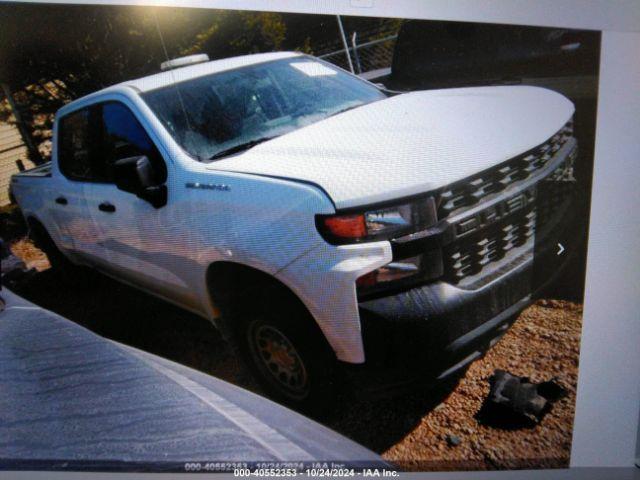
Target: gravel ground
column 409, row 430
column 543, row 344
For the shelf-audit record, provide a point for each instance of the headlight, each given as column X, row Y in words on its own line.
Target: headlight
column 386, row 222
column 392, row 221
column 380, row 223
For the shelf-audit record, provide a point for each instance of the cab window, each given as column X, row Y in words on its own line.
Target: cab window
column 122, row 136
column 94, row 138
column 74, row 152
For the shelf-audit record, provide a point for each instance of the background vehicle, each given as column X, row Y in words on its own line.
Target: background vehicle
column 430, row 54
column 316, row 221
column 63, row 407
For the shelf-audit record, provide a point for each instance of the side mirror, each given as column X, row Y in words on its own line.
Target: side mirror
column 135, row 175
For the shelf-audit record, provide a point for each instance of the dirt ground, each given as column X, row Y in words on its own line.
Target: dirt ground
column 409, row 430
column 543, row 344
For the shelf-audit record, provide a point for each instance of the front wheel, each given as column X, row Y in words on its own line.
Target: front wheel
column 278, row 359
column 289, row 355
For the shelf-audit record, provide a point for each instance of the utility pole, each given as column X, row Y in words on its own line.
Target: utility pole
column 24, row 132
column 345, row 44
column 354, row 42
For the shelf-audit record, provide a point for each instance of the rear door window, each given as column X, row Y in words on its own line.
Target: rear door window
column 74, row 154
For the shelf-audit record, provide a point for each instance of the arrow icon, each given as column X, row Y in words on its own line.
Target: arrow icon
column 560, row 249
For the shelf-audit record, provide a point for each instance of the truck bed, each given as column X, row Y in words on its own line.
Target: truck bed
column 43, row 170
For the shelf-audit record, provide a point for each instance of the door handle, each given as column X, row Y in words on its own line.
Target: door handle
column 61, row 201
column 107, row 207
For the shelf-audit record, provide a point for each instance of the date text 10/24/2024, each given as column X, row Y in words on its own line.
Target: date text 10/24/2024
column 289, row 469
column 315, row 472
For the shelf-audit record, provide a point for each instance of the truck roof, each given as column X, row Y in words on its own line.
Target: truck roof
column 163, row 79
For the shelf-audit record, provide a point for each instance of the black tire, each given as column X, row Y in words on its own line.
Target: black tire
column 287, row 352
column 59, row 262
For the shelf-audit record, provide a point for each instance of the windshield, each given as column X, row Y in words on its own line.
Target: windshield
column 221, row 113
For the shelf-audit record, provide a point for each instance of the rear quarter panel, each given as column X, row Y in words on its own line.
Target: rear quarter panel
column 31, row 194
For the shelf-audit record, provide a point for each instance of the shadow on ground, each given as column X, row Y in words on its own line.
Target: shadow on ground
column 381, row 423
column 126, row 315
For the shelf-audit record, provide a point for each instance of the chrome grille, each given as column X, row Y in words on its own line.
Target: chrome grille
column 475, row 189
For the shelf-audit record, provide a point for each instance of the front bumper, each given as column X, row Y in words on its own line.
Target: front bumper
column 426, row 330
column 431, row 332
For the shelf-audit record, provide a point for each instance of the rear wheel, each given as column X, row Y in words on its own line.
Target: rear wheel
column 44, row 242
column 57, row 259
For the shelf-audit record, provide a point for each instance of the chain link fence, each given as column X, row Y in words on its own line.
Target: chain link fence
column 371, row 53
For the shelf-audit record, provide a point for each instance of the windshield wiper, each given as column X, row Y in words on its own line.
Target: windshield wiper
column 345, row 109
column 240, row 147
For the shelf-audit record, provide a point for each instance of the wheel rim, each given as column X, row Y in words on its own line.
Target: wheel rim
column 277, row 357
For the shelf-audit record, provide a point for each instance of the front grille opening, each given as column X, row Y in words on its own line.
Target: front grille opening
column 483, row 241
column 478, row 188
column 464, row 259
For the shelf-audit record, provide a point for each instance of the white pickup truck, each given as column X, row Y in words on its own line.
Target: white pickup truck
column 323, row 224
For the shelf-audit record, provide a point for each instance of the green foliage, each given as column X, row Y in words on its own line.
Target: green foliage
column 262, row 32
column 306, row 46
column 232, row 33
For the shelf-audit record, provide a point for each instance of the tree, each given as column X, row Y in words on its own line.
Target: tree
column 52, row 54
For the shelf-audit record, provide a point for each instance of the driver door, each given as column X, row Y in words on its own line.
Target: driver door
column 134, row 235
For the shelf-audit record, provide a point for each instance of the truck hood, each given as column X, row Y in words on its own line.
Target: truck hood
column 409, row 143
